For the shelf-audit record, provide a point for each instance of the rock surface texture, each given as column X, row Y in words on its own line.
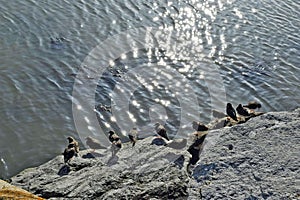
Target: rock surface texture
column 255, row 160
column 263, row 163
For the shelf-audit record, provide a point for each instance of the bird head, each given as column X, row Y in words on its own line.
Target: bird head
column 229, row 105
column 70, row 139
column 195, row 125
column 156, row 124
column 111, row 132
column 259, row 105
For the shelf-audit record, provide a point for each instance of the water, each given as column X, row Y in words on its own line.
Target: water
column 253, row 45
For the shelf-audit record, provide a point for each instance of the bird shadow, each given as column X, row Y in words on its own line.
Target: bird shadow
column 178, row 160
column 92, row 155
column 204, row 171
column 64, row 170
column 112, row 160
column 158, row 142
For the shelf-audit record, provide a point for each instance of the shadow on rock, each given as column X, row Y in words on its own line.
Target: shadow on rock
column 176, row 159
column 92, row 155
column 177, row 143
column 65, row 170
column 202, row 172
column 180, row 161
column 158, row 142
column 113, row 160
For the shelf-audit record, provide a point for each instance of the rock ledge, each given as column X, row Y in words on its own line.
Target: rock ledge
column 255, row 160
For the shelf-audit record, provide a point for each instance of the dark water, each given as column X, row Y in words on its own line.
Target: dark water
column 225, row 50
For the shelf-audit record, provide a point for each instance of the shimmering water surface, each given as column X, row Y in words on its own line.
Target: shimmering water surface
column 254, row 46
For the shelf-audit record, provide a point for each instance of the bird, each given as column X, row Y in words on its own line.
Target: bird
column 94, row 143
column 231, row 112
column 73, row 141
column 198, row 126
column 252, row 105
column 242, row 111
column 195, row 150
column 133, row 136
column 113, row 136
column 118, row 144
column 161, row 131
column 69, row 153
column 115, row 142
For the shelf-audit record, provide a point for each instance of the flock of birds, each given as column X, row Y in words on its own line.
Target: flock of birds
column 241, row 114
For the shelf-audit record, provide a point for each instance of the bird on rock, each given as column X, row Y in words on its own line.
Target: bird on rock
column 115, row 141
column 198, row 126
column 231, row 112
column 252, row 105
column 242, row 111
column 195, row 150
column 76, row 145
column 69, row 153
column 94, row 143
column 133, row 136
column 161, row 130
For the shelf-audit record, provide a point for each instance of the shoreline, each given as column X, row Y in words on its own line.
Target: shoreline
column 258, row 150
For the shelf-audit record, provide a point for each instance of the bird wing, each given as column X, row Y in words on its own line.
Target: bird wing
column 163, row 133
column 115, row 136
column 76, row 147
column 231, row 113
column 131, row 137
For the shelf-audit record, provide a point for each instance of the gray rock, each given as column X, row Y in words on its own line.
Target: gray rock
column 255, row 160
column 142, row 172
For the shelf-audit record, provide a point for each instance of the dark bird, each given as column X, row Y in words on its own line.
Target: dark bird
column 161, row 131
column 94, row 143
column 198, row 126
column 69, row 153
column 73, row 141
column 195, row 150
column 113, row 137
column 252, row 105
column 133, row 136
column 231, row 112
column 115, row 141
column 242, row 111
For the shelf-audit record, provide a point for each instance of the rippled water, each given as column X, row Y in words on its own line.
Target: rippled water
column 248, row 50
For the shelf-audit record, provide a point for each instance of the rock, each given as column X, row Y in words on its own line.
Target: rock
column 255, row 160
column 143, row 172
column 258, row 159
column 177, row 143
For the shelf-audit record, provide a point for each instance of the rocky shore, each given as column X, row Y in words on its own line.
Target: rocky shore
column 255, row 160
